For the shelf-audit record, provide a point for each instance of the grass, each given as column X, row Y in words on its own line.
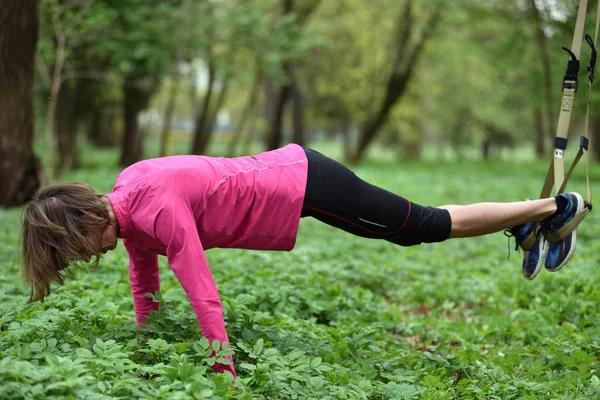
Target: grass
column 338, row 317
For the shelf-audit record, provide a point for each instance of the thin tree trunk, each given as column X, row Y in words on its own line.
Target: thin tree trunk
column 298, row 115
column 135, row 99
column 494, row 137
column 54, row 92
column 212, row 117
column 247, row 149
column 19, row 168
column 168, row 116
column 486, row 148
column 404, row 66
column 275, row 136
column 103, row 125
column 193, row 94
column 543, row 46
column 95, row 128
column 202, row 117
column 248, row 107
column 175, row 75
column 347, row 139
column 269, row 100
column 67, row 128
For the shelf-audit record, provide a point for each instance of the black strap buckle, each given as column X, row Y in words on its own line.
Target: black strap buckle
column 584, row 142
column 570, row 80
column 560, row 143
column 592, row 65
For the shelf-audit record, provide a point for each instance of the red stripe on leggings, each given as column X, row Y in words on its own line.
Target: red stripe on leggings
column 360, row 226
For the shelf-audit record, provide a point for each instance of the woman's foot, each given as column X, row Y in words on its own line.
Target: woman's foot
column 560, row 233
column 528, row 236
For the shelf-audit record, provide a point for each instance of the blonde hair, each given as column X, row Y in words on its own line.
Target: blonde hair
column 56, row 235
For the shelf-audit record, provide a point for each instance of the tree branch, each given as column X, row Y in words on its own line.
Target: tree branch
column 431, row 27
column 403, row 35
column 42, row 69
column 106, row 77
column 80, row 16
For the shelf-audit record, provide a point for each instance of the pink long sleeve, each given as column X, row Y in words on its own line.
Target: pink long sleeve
column 175, row 227
column 180, row 206
column 144, row 278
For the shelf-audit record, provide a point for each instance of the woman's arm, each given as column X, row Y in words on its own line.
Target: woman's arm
column 175, row 227
column 143, row 275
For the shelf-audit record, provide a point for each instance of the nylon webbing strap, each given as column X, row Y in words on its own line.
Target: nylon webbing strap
column 555, row 176
column 557, row 169
column 584, row 144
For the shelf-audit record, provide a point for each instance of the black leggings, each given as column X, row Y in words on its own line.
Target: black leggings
column 337, row 197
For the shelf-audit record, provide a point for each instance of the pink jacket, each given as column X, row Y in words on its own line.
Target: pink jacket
column 180, row 206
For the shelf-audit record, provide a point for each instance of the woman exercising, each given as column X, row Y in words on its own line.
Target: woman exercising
column 180, row 206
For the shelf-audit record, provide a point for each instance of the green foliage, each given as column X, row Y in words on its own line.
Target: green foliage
column 480, row 77
column 340, row 317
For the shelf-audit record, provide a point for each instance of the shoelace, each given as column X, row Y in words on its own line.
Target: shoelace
column 508, row 233
column 546, row 228
column 540, row 229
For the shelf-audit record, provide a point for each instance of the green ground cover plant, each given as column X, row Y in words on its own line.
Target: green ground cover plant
column 338, row 318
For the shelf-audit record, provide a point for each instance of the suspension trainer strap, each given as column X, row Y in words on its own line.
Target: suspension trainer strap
column 584, row 142
column 570, row 84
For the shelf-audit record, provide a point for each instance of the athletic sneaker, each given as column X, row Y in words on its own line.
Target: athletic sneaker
column 559, row 253
column 560, row 231
column 528, row 236
column 561, row 225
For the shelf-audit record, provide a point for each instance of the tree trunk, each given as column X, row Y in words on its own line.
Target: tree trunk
column 95, row 128
column 104, row 124
column 247, row 149
column 211, row 119
column 19, row 168
column 270, row 91
column 495, row 137
column 486, row 148
column 543, row 46
column 135, row 99
column 175, row 75
column 411, row 147
column 192, row 92
column 202, row 116
column 404, row 65
column 238, row 132
column 168, row 116
column 57, row 75
column 67, row 122
column 347, row 139
column 275, row 136
column 284, row 91
column 298, row 115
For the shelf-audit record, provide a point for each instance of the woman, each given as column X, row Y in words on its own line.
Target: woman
column 181, row 206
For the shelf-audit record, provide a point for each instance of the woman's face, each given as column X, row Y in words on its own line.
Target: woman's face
column 108, row 241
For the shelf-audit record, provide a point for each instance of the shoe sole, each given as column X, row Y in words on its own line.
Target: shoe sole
column 564, row 231
column 569, row 254
column 541, row 261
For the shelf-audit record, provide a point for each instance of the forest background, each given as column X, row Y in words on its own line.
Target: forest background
column 418, row 79
column 439, row 101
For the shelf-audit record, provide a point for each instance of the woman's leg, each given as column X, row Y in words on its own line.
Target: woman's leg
column 483, row 218
column 336, row 196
